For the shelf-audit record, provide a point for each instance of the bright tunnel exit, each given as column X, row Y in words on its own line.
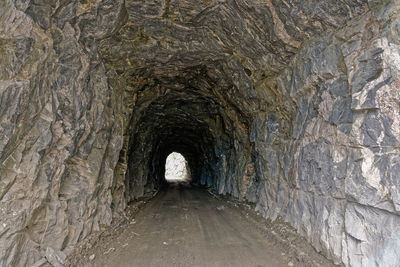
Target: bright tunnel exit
column 176, row 168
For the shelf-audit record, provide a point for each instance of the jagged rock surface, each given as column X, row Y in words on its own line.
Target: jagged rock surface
column 292, row 105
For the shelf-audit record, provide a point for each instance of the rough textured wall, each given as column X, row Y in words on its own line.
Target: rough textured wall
column 339, row 170
column 61, row 130
column 292, row 105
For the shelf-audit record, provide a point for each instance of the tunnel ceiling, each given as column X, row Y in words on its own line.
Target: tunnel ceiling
column 163, row 39
column 212, row 45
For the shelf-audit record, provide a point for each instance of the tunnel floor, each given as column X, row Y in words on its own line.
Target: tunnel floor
column 187, row 226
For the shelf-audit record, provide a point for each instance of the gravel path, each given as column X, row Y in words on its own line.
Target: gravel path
column 184, row 226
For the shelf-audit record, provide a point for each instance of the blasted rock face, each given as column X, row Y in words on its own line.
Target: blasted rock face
column 292, row 105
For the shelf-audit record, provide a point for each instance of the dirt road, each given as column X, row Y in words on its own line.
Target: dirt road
column 184, row 226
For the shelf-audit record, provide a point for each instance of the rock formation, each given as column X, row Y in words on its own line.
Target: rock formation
column 292, row 105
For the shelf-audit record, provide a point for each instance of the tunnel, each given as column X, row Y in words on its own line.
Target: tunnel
column 288, row 107
column 195, row 125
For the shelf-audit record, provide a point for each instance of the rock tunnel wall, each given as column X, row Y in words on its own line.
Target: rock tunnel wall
column 339, row 170
column 292, row 106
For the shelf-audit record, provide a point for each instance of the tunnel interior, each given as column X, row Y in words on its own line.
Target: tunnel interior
column 291, row 106
column 193, row 124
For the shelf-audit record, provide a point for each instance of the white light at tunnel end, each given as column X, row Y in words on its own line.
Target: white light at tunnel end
column 176, row 168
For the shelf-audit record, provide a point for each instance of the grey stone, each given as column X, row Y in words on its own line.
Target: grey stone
column 341, row 112
column 40, row 11
column 292, row 105
column 339, row 87
column 55, row 258
column 40, row 263
column 370, row 67
column 373, row 244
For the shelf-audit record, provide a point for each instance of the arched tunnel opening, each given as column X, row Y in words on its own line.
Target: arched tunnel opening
column 177, row 168
column 285, row 110
column 192, row 124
